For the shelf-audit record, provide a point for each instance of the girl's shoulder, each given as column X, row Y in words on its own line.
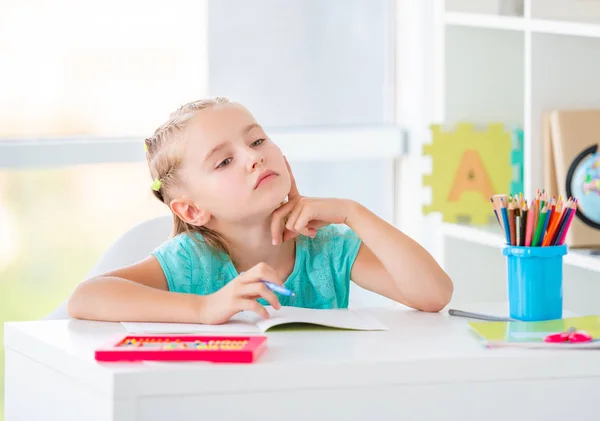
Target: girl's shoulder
column 186, row 244
column 187, row 259
column 335, row 247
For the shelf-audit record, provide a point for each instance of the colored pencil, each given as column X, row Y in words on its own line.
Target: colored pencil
column 542, row 222
column 540, row 225
column 523, row 225
column 555, row 224
column 506, row 225
column 545, row 226
column 562, row 235
column 554, row 220
column 497, row 204
column 530, row 219
column 511, row 222
column 560, row 228
column 495, row 210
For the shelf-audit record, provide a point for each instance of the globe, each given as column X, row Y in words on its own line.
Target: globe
column 585, row 186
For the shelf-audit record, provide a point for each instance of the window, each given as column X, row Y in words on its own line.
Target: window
column 54, row 226
column 83, row 83
column 55, row 223
column 102, row 68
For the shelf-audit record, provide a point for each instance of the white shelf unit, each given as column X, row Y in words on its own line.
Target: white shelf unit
column 510, row 69
column 490, row 236
column 516, row 23
column 485, row 21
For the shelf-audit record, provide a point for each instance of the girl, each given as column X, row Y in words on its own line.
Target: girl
column 226, row 184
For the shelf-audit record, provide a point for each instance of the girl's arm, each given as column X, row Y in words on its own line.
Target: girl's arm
column 140, row 293
column 388, row 262
column 394, row 265
column 135, row 293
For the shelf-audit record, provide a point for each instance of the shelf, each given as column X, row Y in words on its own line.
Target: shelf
column 486, row 235
column 514, row 23
column 491, row 237
column 590, row 30
column 487, row 21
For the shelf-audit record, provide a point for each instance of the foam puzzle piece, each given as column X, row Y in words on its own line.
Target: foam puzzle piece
column 516, row 160
column 468, row 166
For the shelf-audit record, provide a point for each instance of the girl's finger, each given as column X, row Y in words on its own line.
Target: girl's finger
column 277, row 221
column 293, row 216
column 253, row 305
column 288, row 235
column 300, row 213
column 316, row 224
column 257, row 290
column 260, row 272
column 302, row 222
column 293, row 189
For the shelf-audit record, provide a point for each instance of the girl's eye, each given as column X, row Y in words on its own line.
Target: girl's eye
column 257, row 142
column 224, row 163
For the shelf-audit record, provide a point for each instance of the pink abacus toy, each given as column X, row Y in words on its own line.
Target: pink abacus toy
column 217, row 349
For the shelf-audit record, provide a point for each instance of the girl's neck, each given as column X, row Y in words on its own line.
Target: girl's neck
column 250, row 244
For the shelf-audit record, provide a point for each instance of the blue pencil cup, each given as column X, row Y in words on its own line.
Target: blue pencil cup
column 535, row 287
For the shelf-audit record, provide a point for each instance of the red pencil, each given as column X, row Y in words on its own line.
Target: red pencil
column 531, row 216
column 562, row 235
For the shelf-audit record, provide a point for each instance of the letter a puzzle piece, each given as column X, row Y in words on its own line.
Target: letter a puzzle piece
column 468, row 166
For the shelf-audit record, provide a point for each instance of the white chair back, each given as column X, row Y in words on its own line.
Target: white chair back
column 133, row 246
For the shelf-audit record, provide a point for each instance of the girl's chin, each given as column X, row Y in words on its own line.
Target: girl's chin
column 273, row 198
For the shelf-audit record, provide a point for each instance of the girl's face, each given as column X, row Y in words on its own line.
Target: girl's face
column 231, row 168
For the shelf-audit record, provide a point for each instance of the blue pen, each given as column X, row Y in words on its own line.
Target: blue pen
column 279, row 289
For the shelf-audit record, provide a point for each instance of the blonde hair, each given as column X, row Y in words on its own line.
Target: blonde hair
column 164, row 153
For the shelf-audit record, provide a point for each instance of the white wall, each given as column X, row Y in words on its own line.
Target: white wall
column 304, row 62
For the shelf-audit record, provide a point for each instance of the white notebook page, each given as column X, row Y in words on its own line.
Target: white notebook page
column 249, row 322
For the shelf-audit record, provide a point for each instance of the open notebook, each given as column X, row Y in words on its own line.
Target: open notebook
column 248, row 322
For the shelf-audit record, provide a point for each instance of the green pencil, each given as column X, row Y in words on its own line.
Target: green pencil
column 540, row 223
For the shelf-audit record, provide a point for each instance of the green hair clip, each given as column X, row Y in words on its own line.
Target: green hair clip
column 156, row 184
column 145, row 146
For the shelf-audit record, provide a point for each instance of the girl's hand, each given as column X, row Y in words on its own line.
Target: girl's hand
column 305, row 215
column 241, row 294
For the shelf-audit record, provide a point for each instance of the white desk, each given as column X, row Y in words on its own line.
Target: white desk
column 427, row 367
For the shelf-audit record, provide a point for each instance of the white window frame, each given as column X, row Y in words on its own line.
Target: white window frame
column 323, row 144
column 335, row 144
